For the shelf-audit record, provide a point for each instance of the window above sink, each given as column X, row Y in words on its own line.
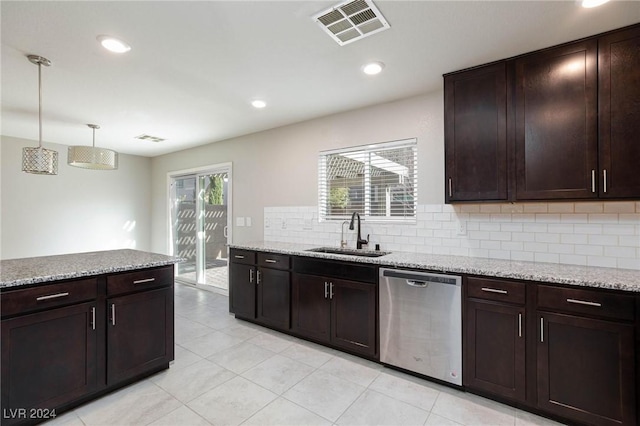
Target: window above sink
column 378, row 181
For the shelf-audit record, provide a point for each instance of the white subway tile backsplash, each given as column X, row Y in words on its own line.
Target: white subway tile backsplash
column 588, row 207
column 535, row 208
column 603, row 240
column 620, row 207
column 547, row 257
column 592, row 233
column 560, row 208
column 573, row 259
column 574, row 218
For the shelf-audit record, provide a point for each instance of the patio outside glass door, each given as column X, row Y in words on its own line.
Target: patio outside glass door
column 199, row 216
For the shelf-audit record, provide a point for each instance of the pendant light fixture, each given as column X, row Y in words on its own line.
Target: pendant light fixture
column 90, row 157
column 39, row 160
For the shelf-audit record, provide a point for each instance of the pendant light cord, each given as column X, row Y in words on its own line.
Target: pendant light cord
column 40, row 105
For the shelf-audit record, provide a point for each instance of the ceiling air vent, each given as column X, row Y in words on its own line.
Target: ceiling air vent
column 150, row 138
column 351, row 21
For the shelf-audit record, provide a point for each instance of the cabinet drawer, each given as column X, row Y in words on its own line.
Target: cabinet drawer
column 586, row 302
column 243, row 256
column 48, row 296
column 276, row 261
column 144, row 279
column 500, row 290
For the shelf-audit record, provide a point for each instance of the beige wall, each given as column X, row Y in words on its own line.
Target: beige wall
column 75, row 211
column 279, row 167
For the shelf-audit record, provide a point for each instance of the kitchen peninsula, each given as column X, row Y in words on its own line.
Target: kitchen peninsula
column 79, row 325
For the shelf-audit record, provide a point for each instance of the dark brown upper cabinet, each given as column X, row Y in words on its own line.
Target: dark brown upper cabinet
column 619, row 113
column 475, row 105
column 561, row 123
column 556, row 139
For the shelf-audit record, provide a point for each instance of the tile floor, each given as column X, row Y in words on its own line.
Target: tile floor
column 230, row 372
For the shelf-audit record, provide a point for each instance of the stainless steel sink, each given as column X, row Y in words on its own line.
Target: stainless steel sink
column 349, row 252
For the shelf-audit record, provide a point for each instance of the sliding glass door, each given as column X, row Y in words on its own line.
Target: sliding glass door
column 199, row 226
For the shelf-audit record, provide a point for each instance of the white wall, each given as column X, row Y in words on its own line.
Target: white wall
column 279, row 167
column 77, row 210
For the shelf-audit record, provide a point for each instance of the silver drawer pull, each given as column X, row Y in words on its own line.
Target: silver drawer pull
column 271, row 261
column 493, row 290
column 52, row 296
column 414, row 283
column 146, row 280
column 239, row 256
column 113, row 314
column 584, row 302
column 93, row 318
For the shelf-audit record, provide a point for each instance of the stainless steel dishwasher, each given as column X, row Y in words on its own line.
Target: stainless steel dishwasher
column 421, row 323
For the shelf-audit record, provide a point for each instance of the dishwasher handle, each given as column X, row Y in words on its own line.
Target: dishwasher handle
column 421, row 277
column 415, row 283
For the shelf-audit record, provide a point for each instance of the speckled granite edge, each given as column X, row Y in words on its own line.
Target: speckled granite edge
column 34, row 270
column 585, row 276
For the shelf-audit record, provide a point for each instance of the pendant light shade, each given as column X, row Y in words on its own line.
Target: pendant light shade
column 90, row 157
column 39, row 160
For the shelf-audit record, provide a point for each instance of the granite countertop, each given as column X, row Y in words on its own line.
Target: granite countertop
column 586, row 276
column 33, row 270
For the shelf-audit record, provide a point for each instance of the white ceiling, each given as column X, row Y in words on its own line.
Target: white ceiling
column 194, row 67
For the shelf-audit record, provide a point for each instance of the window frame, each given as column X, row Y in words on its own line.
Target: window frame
column 323, row 183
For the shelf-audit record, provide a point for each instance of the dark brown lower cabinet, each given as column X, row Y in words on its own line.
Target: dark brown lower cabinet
column 139, row 333
column 353, row 315
column 495, row 351
column 585, row 369
column 273, row 297
column 340, row 312
column 48, row 359
column 243, row 290
column 310, row 308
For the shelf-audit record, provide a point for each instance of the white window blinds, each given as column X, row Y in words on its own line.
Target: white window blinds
column 377, row 181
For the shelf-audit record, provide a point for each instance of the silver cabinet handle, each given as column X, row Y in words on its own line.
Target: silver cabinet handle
column 584, row 302
column 93, row 318
column 251, row 275
column 541, row 330
column 450, row 191
column 593, row 181
column 238, row 256
column 52, row 296
column 520, row 324
column 113, row 314
column 326, row 290
column 258, row 277
column 270, row 261
column 414, row 283
column 330, row 290
column 604, row 176
column 146, row 280
column 494, row 290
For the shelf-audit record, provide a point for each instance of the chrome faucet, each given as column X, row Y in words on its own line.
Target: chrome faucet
column 359, row 241
column 343, row 241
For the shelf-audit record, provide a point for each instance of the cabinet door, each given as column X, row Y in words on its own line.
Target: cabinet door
column 586, row 369
column 353, row 316
column 139, row 333
column 310, row 307
column 476, row 134
column 273, row 297
column 556, row 123
column 495, row 349
column 243, row 289
column 619, row 114
column 49, row 358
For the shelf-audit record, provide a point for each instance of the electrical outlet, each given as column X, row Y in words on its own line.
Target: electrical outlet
column 267, row 222
column 247, row 221
column 462, row 227
column 284, row 224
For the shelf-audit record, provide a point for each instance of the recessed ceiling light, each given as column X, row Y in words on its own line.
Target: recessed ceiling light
column 373, row 68
column 113, row 44
column 258, row 104
column 593, row 3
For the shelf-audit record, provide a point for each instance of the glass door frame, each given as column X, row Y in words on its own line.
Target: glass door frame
column 198, row 173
